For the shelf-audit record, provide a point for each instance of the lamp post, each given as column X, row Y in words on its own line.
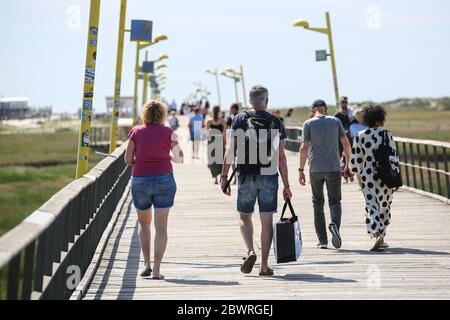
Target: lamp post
column 236, row 80
column 305, row 24
column 145, row 77
column 139, row 46
column 238, row 76
column 118, row 79
column 216, row 74
column 88, row 91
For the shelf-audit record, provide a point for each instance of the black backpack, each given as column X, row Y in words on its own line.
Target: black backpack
column 387, row 167
column 253, row 137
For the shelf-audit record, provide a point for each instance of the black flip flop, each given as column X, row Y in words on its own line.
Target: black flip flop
column 247, row 265
column 269, row 272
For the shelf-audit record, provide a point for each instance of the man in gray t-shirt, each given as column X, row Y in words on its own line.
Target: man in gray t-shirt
column 321, row 136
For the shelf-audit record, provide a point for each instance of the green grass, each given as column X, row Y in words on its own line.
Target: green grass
column 24, row 189
column 408, row 123
column 33, row 167
column 39, row 149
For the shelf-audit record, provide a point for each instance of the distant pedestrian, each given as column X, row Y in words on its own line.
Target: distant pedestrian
column 356, row 126
column 233, row 112
column 278, row 114
column 345, row 116
column 216, row 143
column 173, row 121
column 257, row 180
column 151, row 148
column 288, row 117
column 196, row 125
column 377, row 195
column 320, row 145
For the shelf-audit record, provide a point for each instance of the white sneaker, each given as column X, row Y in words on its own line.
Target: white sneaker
column 322, row 246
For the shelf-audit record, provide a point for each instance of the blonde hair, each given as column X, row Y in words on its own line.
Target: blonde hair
column 153, row 112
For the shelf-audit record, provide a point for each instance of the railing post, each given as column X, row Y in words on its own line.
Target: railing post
column 13, row 278
column 430, row 178
column 419, row 158
column 436, row 166
column 447, row 179
column 405, row 158
column 411, row 155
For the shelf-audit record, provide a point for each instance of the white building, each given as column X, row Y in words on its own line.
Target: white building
column 13, row 108
column 126, row 106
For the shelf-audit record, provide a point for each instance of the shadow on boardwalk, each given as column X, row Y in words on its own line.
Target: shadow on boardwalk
column 396, row 251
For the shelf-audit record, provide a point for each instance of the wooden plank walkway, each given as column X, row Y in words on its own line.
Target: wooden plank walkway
column 205, row 249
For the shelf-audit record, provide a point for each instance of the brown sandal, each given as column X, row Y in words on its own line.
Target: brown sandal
column 247, row 265
column 377, row 246
column 269, row 272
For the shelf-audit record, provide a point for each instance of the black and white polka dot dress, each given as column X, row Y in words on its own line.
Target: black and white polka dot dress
column 377, row 195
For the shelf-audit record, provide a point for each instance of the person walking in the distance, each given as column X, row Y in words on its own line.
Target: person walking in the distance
column 321, row 136
column 216, row 142
column 151, row 149
column 257, row 180
column 377, row 195
column 345, row 116
column 196, row 125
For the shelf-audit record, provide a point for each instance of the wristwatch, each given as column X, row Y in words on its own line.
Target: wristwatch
column 301, row 169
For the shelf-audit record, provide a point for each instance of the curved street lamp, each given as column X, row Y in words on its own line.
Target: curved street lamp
column 305, row 24
column 216, row 74
column 238, row 76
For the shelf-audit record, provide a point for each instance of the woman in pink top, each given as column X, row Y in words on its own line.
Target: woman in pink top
column 152, row 147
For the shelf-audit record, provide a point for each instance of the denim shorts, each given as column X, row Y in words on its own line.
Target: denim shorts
column 156, row 190
column 261, row 187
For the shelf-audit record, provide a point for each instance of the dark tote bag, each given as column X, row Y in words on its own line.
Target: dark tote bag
column 287, row 237
column 387, row 168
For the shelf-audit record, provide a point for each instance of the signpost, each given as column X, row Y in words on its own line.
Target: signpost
column 141, row 31
column 116, row 105
column 88, row 91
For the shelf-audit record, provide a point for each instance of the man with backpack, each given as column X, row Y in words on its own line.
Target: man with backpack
column 258, row 141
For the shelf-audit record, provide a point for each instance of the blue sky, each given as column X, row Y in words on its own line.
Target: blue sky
column 384, row 49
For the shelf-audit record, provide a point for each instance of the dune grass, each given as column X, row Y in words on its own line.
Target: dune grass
column 33, row 167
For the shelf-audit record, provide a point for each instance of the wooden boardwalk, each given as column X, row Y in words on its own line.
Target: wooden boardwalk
column 205, row 250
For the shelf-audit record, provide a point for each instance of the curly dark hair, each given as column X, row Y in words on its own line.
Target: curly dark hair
column 373, row 114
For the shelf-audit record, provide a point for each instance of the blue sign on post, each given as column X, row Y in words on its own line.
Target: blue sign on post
column 148, row 67
column 141, row 30
column 321, row 55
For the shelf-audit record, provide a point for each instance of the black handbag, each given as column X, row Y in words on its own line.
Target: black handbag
column 387, row 167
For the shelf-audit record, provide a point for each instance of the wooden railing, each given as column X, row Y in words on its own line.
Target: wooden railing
column 424, row 163
column 41, row 256
column 100, row 135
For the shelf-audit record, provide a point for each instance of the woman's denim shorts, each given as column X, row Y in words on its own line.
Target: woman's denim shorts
column 156, row 190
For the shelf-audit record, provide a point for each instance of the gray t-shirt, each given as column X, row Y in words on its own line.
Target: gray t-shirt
column 323, row 134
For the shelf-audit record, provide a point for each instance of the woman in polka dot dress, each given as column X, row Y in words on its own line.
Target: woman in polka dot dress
column 377, row 195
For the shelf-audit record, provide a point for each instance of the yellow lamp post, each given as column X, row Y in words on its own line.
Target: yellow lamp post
column 216, row 74
column 238, row 76
column 118, row 79
column 235, row 79
column 145, row 77
column 305, row 24
column 88, row 91
column 139, row 46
